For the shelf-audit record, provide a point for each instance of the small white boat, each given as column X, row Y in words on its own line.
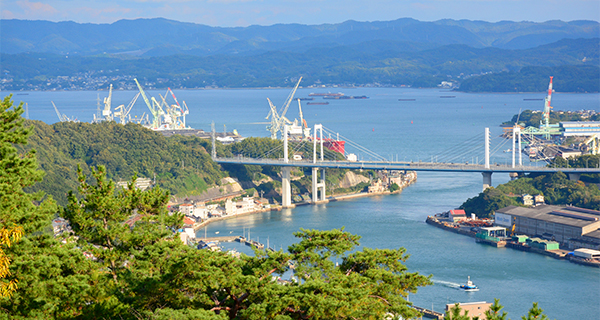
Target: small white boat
column 469, row 286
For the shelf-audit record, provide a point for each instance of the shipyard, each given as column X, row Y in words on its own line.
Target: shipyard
column 560, row 232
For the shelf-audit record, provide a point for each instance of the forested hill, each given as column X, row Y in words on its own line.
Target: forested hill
column 179, row 164
column 556, row 188
column 42, row 55
column 161, row 37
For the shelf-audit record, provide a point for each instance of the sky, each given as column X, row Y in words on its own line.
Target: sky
column 242, row 13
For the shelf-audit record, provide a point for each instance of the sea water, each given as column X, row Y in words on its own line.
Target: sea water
column 436, row 123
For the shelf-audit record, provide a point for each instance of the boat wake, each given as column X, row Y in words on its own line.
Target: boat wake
column 447, row 284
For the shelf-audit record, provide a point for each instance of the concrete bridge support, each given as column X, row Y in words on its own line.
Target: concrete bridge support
column 318, row 188
column 286, row 173
column 487, row 179
column 574, row 176
column 286, row 188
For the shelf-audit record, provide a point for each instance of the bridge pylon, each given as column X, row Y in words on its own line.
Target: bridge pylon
column 286, row 172
column 487, row 175
column 318, row 197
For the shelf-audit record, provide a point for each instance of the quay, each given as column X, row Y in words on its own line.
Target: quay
column 499, row 243
column 220, row 239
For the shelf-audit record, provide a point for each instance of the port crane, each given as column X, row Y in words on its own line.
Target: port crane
column 176, row 113
column 278, row 119
column 61, row 117
column 304, row 127
column 182, row 111
column 106, row 113
column 154, row 107
column 546, row 113
column 122, row 112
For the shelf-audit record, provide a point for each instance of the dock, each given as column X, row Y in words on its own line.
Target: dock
column 429, row 314
column 219, row 239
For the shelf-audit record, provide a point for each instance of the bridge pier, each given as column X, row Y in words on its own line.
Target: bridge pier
column 574, row 176
column 318, row 188
column 286, row 187
column 487, row 179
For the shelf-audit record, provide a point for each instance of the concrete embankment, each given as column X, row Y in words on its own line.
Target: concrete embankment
column 412, row 178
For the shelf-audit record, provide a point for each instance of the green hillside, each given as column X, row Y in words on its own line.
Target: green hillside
column 180, row 165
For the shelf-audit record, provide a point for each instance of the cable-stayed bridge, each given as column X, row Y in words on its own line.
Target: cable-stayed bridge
column 316, row 152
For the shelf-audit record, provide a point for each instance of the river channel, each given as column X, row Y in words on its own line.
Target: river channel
column 424, row 124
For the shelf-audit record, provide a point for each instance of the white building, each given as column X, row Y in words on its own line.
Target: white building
column 246, row 205
column 195, row 211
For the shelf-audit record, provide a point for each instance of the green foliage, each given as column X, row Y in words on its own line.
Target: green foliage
column 456, row 313
column 535, row 313
column 366, row 285
column 556, row 188
column 494, row 311
column 99, row 219
column 394, row 187
column 54, row 280
column 530, row 118
column 181, row 164
column 21, row 214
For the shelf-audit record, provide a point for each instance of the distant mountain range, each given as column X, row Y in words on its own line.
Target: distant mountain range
column 160, row 37
column 43, row 55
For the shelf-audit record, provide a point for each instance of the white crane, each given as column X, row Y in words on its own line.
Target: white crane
column 106, row 113
column 122, row 112
column 154, row 107
column 62, row 117
column 278, row 120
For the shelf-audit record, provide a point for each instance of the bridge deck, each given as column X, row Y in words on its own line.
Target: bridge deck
column 412, row 166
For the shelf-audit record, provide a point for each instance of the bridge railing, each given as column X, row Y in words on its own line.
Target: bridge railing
column 403, row 165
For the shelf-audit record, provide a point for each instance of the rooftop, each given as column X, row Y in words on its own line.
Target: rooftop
column 572, row 216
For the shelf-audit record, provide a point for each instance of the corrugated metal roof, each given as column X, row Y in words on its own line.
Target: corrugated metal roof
column 543, row 213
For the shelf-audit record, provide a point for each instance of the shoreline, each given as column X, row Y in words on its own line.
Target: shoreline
column 342, row 197
column 199, row 225
column 556, row 254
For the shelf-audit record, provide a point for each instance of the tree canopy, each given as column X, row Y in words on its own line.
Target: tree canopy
column 556, row 188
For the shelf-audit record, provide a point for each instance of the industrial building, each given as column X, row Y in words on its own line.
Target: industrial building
column 572, row 227
column 580, row 128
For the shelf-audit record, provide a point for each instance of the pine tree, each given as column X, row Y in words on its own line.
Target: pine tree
column 54, row 280
column 493, row 313
column 456, row 313
column 16, row 172
column 535, row 313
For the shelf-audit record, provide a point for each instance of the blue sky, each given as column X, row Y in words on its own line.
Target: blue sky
column 231, row 13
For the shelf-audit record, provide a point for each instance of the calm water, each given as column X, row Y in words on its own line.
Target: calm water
column 403, row 130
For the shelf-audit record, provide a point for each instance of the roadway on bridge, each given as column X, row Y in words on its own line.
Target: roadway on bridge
column 413, row 166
